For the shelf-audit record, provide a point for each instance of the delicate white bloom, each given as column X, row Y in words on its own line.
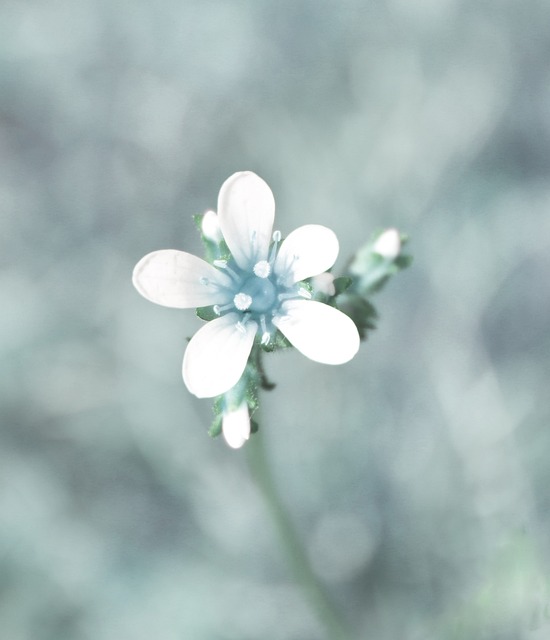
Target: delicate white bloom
column 254, row 293
column 210, row 227
column 236, row 426
column 323, row 283
column 388, row 244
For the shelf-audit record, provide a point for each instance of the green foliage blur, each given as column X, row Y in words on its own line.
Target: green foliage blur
column 418, row 473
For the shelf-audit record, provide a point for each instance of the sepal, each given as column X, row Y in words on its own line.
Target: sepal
column 360, row 310
column 341, row 284
column 216, row 426
column 277, row 342
column 206, row 313
column 226, row 407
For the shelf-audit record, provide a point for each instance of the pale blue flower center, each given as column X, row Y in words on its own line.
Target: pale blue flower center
column 257, row 293
column 262, row 293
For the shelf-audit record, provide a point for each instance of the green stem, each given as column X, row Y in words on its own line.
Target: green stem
column 257, row 359
column 297, row 557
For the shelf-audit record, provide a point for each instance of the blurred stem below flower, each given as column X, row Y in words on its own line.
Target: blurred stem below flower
column 327, row 614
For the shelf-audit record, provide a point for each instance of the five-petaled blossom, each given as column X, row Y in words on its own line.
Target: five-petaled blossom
column 255, row 292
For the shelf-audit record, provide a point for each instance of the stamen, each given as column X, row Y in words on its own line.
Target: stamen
column 289, row 295
column 266, row 336
column 241, row 325
column 222, row 264
column 276, row 239
column 262, row 269
column 242, row 301
column 286, row 278
column 219, row 309
column 206, row 282
column 302, row 292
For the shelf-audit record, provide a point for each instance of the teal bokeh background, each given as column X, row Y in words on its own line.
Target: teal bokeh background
column 418, row 473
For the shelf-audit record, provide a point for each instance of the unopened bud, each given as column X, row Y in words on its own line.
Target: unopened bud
column 210, row 227
column 236, row 426
column 324, row 284
column 388, row 244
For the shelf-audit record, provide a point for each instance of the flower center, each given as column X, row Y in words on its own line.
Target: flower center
column 256, row 294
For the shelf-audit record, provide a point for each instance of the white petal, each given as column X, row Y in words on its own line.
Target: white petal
column 236, row 426
column 217, row 354
column 177, row 279
column 319, row 331
column 246, row 210
column 306, row 252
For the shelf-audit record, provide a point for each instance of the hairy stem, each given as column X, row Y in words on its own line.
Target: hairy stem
column 296, row 554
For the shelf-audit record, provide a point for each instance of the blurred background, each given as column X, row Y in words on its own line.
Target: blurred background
column 417, row 475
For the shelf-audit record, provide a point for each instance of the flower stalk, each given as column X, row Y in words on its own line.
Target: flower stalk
column 320, row 602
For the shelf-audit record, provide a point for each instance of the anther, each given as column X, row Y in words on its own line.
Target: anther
column 262, row 269
column 242, row 301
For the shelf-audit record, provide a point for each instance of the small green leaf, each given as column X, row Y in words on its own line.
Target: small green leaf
column 217, row 407
column 341, row 284
column 403, row 261
column 197, row 219
column 360, row 310
column 215, row 427
column 206, row 313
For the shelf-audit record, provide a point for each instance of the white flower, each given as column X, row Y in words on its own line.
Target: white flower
column 388, row 244
column 254, row 293
column 236, row 426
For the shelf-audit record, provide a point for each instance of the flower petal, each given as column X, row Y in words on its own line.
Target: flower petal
column 306, row 252
column 217, row 354
column 236, row 426
column 246, row 210
column 180, row 280
column 319, row 331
